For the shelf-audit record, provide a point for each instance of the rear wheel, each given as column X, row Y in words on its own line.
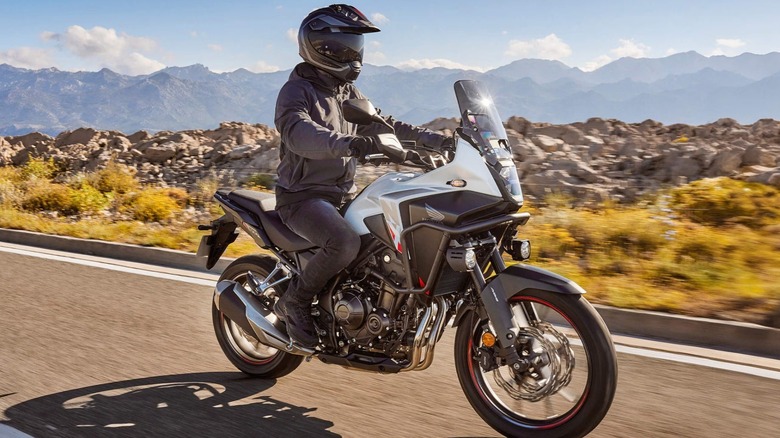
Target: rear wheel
column 242, row 348
column 570, row 383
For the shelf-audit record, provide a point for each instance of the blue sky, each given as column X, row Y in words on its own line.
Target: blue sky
column 138, row 37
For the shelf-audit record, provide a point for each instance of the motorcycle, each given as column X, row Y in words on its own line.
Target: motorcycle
column 532, row 355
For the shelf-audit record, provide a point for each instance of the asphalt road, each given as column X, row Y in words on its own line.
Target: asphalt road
column 86, row 351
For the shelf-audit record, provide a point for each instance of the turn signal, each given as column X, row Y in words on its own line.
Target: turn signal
column 488, row 340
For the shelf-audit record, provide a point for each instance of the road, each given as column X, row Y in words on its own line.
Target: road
column 89, row 351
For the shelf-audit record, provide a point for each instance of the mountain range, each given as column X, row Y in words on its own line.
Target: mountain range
column 682, row 88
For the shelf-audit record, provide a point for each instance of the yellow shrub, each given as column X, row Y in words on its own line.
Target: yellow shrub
column 720, row 201
column 152, row 205
column 203, row 192
column 39, row 168
column 179, row 195
column 45, row 195
column 87, row 199
column 10, row 194
column 11, row 174
column 114, row 178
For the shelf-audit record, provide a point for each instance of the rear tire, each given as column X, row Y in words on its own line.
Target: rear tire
column 242, row 349
column 578, row 406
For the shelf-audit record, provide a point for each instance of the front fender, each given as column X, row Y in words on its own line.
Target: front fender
column 497, row 292
column 517, row 278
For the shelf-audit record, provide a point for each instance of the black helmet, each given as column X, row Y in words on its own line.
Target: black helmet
column 331, row 39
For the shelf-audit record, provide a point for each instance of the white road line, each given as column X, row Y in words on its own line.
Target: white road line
column 655, row 354
column 700, row 361
column 112, row 267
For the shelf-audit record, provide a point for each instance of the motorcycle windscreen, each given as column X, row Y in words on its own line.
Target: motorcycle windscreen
column 481, row 121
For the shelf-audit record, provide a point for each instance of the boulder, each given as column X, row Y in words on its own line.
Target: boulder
column 768, row 176
column 547, row 143
column 159, row 153
column 756, row 155
column 526, row 151
column 520, row 125
column 596, row 125
column 576, row 168
column 80, row 136
column 726, row 161
column 567, row 133
column 30, row 140
column 443, row 124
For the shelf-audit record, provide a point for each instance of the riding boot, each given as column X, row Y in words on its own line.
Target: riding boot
column 294, row 308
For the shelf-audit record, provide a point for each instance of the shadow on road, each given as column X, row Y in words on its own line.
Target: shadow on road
column 205, row 404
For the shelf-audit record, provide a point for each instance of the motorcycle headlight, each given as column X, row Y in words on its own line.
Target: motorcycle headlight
column 511, row 182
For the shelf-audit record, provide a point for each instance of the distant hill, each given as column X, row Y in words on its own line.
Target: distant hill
column 682, row 88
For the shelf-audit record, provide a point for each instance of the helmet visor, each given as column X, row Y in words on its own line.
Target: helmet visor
column 338, row 46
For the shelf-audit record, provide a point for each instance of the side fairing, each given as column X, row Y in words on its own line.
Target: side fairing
column 387, row 193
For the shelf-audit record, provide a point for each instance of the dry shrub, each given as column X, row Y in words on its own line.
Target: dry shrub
column 43, row 195
column 152, row 205
column 114, row 178
column 724, row 201
column 38, row 168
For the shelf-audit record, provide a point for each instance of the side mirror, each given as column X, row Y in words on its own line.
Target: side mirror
column 360, row 112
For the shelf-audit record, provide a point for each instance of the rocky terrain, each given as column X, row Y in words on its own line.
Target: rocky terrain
column 594, row 160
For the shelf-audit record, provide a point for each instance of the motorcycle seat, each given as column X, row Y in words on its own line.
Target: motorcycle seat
column 263, row 206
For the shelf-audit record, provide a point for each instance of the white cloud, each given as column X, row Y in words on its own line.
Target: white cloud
column 417, row 64
column 27, row 57
column 263, row 67
column 292, row 35
column 374, row 57
column 627, row 48
column 596, row 63
column 731, row 43
column 549, row 47
column 194, row 34
column 378, row 18
column 671, row 51
column 135, row 64
column 727, row 47
column 215, row 47
column 120, row 52
column 631, row 49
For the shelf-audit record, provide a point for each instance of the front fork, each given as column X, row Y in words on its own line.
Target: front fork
column 506, row 320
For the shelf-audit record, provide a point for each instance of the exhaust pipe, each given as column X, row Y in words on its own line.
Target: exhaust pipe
column 241, row 307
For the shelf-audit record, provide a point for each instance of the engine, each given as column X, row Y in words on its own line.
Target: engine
column 362, row 323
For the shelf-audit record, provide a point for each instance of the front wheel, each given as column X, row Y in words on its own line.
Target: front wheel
column 242, row 348
column 570, row 382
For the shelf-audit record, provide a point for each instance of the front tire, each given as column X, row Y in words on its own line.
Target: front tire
column 572, row 344
column 242, row 349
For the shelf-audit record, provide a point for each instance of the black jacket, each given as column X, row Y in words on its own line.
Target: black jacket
column 315, row 138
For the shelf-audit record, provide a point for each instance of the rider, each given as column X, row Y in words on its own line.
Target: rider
column 318, row 153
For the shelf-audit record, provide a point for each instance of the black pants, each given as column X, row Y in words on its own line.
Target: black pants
column 319, row 222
